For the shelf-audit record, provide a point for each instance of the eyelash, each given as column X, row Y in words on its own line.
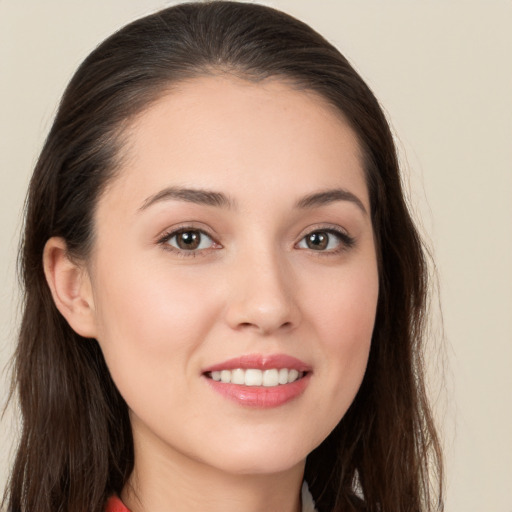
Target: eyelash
column 345, row 241
column 164, row 242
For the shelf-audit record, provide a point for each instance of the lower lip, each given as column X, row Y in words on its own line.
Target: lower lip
column 260, row 396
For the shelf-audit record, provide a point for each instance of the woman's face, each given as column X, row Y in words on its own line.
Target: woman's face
column 236, row 244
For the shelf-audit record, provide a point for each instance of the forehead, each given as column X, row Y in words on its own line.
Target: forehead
column 223, row 131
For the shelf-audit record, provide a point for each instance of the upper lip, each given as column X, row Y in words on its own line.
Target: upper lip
column 261, row 362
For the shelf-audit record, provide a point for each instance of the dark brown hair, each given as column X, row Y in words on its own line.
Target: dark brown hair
column 76, row 446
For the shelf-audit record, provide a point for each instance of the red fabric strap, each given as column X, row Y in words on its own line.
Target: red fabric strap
column 114, row 504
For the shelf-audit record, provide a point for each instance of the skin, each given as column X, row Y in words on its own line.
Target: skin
column 162, row 314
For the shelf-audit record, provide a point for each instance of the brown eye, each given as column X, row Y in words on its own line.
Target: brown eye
column 327, row 240
column 190, row 240
column 317, row 241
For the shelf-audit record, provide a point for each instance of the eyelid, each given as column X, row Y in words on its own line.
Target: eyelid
column 346, row 241
column 173, row 231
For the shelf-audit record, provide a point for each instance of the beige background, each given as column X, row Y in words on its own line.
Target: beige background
column 443, row 70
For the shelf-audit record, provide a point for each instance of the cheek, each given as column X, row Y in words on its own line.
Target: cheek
column 344, row 316
column 345, row 304
column 148, row 317
column 151, row 324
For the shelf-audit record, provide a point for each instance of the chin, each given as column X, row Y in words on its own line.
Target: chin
column 261, row 459
column 263, row 467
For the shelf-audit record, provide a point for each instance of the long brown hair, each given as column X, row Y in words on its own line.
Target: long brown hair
column 76, row 446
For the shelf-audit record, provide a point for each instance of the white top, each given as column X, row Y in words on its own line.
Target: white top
column 308, row 505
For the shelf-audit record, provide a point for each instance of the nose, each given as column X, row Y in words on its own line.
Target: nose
column 263, row 295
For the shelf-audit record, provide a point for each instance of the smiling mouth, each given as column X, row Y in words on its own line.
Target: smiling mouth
column 260, row 381
column 253, row 377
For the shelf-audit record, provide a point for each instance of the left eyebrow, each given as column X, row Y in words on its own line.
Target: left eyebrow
column 190, row 195
column 330, row 196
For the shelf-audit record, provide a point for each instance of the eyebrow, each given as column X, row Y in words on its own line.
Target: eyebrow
column 220, row 200
column 330, row 196
column 190, row 195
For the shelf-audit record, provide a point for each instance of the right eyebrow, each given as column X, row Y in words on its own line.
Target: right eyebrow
column 330, row 196
column 190, row 195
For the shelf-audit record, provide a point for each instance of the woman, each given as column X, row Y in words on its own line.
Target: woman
column 224, row 291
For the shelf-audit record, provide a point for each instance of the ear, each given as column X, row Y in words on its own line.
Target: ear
column 71, row 287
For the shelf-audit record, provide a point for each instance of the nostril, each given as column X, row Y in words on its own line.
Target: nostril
column 263, row 328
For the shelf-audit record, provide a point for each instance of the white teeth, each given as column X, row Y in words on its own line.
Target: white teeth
column 293, row 375
column 270, row 378
column 238, row 376
column 283, row 376
column 254, row 377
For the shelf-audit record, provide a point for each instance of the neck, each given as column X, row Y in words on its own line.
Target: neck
column 164, row 480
